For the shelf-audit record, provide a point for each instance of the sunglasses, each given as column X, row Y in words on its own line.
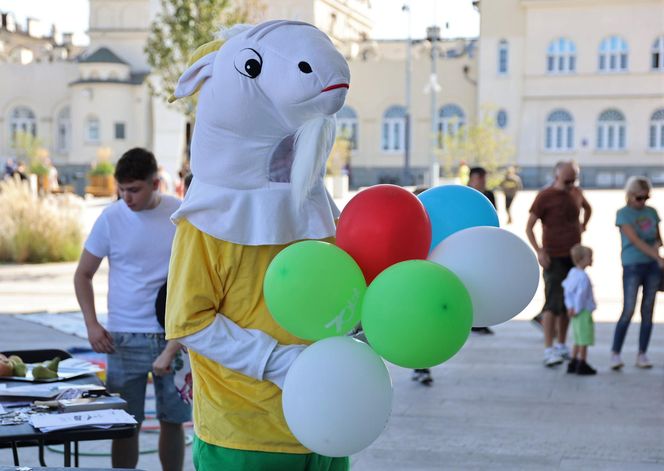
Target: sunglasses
column 569, row 182
column 642, row 198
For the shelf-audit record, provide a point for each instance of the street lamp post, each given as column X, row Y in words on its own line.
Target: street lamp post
column 433, row 36
column 407, row 179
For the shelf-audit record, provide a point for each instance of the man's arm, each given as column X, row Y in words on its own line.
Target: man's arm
column 587, row 211
column 542, row 256
column 100, row 340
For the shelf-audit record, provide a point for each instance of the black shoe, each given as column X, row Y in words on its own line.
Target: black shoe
column 423, row 375
column 573, row 365
column 482, row 330
column 584, row 369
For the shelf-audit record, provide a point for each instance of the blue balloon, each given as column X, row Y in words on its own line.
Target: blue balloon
column 453, row 208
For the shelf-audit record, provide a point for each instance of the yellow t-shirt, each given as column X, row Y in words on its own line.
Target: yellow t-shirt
column 209, row 276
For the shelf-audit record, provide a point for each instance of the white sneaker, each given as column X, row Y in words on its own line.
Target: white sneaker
column 616, row 362
column 551, row 357
column 642, row 361
column 562, row 351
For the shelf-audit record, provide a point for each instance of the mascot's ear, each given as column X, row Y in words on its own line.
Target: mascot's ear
column 199, row 71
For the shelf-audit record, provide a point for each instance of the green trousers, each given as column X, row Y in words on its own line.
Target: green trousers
column 216, row 458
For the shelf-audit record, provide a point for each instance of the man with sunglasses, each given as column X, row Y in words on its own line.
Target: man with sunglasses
column 558, row 207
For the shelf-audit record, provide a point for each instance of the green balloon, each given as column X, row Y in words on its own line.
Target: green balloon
column 417, row 314
column 314, row 290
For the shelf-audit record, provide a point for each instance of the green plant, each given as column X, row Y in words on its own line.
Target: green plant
column 479, row 144
column 39, row 168
column 179, row 29
column 102, row 168
column 38, row 229
column 339, row 156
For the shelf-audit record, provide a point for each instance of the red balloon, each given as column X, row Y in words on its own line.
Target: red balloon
column 384, row 225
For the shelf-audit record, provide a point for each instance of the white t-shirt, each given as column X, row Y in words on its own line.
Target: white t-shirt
column 138, row 247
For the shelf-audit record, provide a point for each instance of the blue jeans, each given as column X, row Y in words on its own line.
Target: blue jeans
column 648, row 276
column 128, row 370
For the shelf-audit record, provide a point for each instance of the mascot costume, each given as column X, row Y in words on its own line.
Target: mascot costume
column 264, row 129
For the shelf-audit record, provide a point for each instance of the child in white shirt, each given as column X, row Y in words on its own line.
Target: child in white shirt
column 580, row 304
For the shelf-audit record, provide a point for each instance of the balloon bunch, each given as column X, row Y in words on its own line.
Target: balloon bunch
column 434, row 265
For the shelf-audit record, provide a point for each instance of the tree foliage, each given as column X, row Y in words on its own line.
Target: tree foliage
column 478, row 144
column 180, row 28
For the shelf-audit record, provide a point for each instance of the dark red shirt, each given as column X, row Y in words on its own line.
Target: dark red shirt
column 559, row 212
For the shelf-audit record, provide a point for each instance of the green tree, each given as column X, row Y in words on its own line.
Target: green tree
column 479, row 144
column 179, row 29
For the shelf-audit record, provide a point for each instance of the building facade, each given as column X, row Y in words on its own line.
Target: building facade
column 577, row 79
column 563, row 79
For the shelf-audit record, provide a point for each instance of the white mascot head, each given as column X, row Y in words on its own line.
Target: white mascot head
column 264, row 129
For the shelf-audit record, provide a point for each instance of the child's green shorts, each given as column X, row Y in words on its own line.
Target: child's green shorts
column 584, row 329
column 216, row 458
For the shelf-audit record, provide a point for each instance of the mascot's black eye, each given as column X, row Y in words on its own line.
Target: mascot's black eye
column 304, row 67
column 248, row 62
column 252, row 67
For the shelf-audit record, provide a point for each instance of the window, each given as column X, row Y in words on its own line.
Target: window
column 501, row 119
column 22, row 119
column 656, row 138
column 450, row 121
column 119, row 130
column 63, row 129
column 559, row 134
column 503, row 57
column 347, row 125
column 613, row 55
column 92, row 133
column 658, row 54
column 393, row 136
column 611, row 130
column 561, row 57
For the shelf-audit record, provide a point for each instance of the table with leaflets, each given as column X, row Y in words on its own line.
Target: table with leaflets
column 41, row 428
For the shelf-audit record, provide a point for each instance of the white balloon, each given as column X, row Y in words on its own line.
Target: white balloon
column 499, row 270
column 337, row 396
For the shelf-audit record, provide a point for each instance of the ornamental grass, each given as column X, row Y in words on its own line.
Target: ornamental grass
column 38, row 229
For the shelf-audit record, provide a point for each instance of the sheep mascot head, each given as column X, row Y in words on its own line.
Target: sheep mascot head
column 264, row 129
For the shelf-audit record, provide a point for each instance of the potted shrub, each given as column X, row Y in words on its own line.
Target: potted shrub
column 102, row 182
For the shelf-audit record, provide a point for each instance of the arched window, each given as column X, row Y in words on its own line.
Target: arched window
column 503, row 57
column 613, row 54
column 658, row 54
column 656, row 138
column 22, row 119
column 611, row 130
column 561, row 56
column 347, row 125
column 92, row 131
column 64, row 130
column 559, row 131
column 450, row 121
column 394, row 129
column 501, row 119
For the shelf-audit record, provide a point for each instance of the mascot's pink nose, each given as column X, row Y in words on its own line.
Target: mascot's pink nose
column 334, row 87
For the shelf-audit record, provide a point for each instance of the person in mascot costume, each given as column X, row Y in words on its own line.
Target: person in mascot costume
column 264, row 129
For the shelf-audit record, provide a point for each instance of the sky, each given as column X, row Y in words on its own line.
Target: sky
column 390, row 20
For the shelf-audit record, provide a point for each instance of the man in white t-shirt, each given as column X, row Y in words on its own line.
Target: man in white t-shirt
column 136, row 234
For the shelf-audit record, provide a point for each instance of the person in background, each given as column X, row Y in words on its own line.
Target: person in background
column 136, row 235
column 510, row 185
column 558, row 207
column 166, row 185
column 580, row 303
column 642, row 266
column 477, row 180
column 463, row 173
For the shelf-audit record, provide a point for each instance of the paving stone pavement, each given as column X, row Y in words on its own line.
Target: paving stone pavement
column 492, row 407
